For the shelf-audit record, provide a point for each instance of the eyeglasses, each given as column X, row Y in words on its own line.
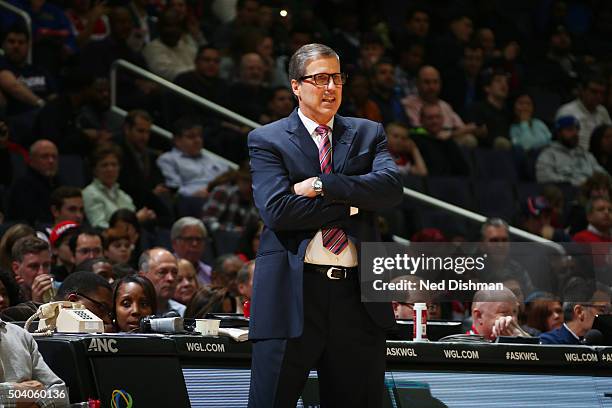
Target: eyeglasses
column 601, row 309
column 322, row 79
column 98, row 304
column 192, row 240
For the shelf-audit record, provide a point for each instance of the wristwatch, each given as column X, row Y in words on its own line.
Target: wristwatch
column 317, row 186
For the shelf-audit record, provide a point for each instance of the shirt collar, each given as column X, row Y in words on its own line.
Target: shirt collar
column 597, row 232
column 311, row 125
column 571, row 332
column 2, row 323
column 102, row 186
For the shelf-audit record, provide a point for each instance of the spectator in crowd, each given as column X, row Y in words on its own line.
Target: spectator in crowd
column 126, row 220
column 404, row 309
column 411, row 56
column 461, row 83
column 246, row 18
column 494, row 237
column 133, row 298
column 100, row 266
column 230, row 204
column 97, row 58
column 204, row 81
column 280, row 105
column 143, row 17
column 93, row 292
column 140, row 177
column 492, row 112
column 26, row 373
column 598, row 185
column 67, row 205
column 448, row 48
column 29, row 196
column 273, row 75
column 188, row 235
column 161, row 268
column 248, row 94
column 53, row 40
column 63, row 258
column 404, row 150
column 371, row 50
column 225, row 271
column 417, row 22
column 10, row 236
column 117, row 245
column 587, row 109
column 537, row 213
column 187, row 284
column 57, row 120
column 173, row 52
column 188, row 168
column 599, row 216
column 485, row 38
column 104, row 196
column 582, row 301
column 358, row 99
column 96, row 117
column 244, row 281
column 38, row 81
column 544, row 314
column 565, row 161
column 9, row 291
column 85, row 244
column 385, row 93
column 188, row 20
column 345, row 36
column 441, row 153
column 9, row 151
column 210, row 300
column 528, row 132
column 88, row 23
column 31, row 266
column 601, row 146
column 429, row 86
column 494, row 314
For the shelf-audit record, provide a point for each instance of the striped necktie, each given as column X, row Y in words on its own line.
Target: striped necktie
column 334, row 239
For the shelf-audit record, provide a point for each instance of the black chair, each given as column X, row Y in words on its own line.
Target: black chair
column 494, row 164
column 455, row 190
column 71, row 170
column 495, row 198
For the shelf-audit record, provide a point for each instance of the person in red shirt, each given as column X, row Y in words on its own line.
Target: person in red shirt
column 599, row 216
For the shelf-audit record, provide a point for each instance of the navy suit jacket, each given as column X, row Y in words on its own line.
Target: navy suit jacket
column 282, row 153
column 558, row 336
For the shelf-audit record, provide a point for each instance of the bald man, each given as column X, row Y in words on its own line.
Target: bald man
column 29, row 198
column 160, row 266
column 429, row 86
column 495, row 313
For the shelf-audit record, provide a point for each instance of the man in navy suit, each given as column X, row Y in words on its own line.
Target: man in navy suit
column 318, row 179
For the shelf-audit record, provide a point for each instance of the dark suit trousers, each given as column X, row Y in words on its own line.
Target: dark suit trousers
column 339, row 340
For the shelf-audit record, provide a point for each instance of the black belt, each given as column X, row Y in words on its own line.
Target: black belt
column 332, row 272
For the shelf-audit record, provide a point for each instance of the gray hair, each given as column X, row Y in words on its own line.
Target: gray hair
column 181, row 223
column 244, row 274
column 493, row 222
column 304, row 55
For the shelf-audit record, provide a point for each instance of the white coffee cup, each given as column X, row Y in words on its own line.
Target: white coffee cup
column 208, row 327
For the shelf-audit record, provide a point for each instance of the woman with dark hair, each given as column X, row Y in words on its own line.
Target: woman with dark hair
column 544, row 313
column 100, row 266
column 9, row 291
column 103, row 196
column 528, row 132
column 601, row 146
column 133, row 298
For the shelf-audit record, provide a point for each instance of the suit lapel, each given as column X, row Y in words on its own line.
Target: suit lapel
column 342, row 139
column 300, row 137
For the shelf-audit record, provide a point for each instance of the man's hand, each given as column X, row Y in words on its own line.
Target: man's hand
column 203, row 193
column 145, row 214
column 161, row 189
column 507, row 326
column 304, row 188
column 26, row 386
column 40, row 285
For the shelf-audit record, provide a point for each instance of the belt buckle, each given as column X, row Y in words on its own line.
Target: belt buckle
column 330, row 273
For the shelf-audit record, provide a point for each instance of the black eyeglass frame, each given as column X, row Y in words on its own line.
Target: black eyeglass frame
column 342, row 75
